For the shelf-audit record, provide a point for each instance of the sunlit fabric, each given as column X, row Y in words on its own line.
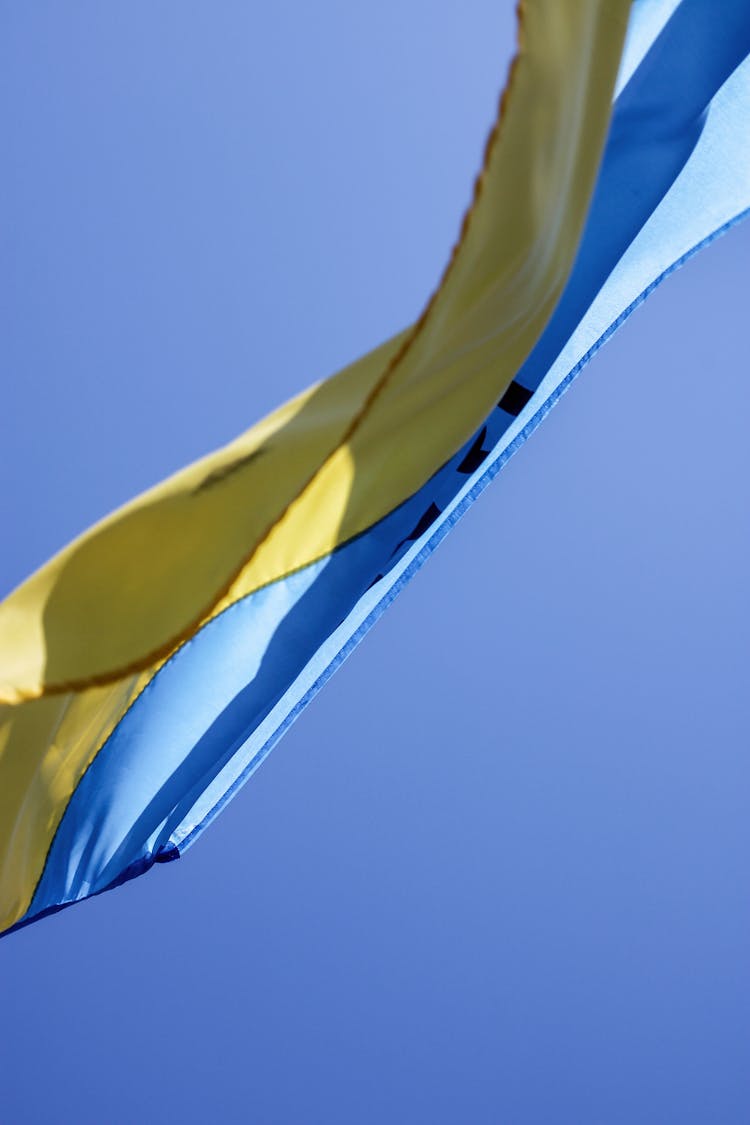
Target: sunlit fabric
column 143, row 687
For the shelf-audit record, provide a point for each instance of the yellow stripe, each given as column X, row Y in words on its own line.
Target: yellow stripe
column 344, row 454
column 45, row 747
column 321, row 469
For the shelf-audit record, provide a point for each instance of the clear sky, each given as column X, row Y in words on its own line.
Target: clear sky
column 499, row 872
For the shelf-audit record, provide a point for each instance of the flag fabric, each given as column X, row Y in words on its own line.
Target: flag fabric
column 148, row 669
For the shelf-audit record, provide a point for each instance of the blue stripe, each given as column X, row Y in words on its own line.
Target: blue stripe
column 222, row 701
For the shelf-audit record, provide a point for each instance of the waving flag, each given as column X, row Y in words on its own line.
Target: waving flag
column 148, row 669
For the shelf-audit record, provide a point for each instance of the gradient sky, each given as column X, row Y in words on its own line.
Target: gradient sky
column 499, row 872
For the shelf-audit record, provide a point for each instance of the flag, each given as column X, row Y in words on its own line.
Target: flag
column 148, row 669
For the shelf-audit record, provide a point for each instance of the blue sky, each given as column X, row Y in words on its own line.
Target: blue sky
column 499, row 870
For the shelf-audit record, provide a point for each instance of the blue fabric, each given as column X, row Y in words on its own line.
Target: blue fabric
column 673, row 176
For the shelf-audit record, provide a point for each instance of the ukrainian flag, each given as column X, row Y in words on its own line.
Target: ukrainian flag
column 148, row 669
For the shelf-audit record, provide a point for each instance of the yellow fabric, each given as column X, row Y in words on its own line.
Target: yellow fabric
column 45, row 746
column 82, row 637
column 350, row 450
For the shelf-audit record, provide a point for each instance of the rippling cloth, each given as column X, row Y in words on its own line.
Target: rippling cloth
column 148, row 669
